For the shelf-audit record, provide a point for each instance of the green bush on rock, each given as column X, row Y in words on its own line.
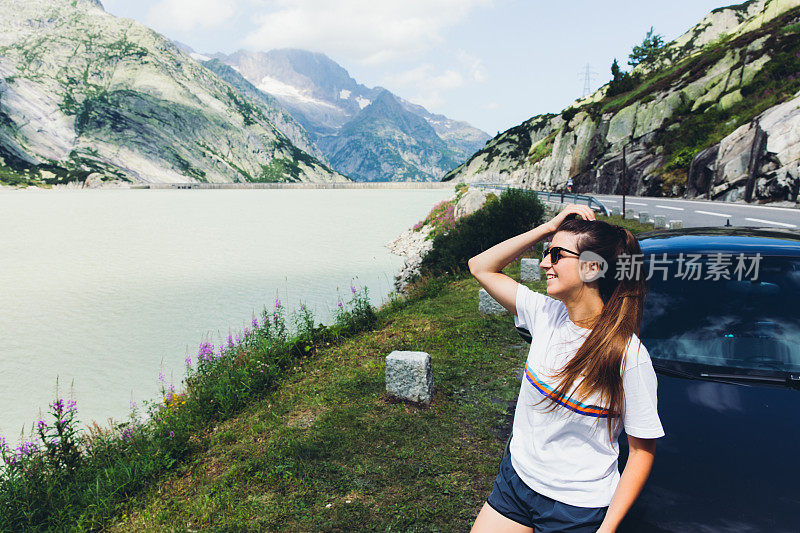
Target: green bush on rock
column 514, row 212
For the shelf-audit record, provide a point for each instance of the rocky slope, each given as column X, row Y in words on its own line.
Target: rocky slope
column 361, row 130
column 713, row 116
column 86, row 94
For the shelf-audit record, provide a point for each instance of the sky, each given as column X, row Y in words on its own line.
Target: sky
column 492, row 63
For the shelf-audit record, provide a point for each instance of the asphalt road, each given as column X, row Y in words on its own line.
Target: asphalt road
column 696, row 213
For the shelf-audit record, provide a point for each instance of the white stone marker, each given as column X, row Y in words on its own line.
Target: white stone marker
column 630, row 213
column 616, row 211
column 675, row 224
column 529, row 269
column 409, row 377
column 488, row 305
column 659, row 221
column 644, row 217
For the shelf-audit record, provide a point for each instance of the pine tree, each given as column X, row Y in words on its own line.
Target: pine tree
column 621, row 82
column 648, row 51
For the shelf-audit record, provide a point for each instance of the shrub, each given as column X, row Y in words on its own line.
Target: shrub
column 441, row 217
column 514, row 212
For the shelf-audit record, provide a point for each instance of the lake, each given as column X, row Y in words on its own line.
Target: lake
column 104, row 289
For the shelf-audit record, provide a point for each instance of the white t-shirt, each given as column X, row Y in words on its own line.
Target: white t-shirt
column 565, row 453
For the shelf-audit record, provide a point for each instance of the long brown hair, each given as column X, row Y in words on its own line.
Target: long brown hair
column 601, row 357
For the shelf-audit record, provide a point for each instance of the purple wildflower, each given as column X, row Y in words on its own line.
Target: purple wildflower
column 238, row 339
column 58, row 406
column 246, row 332
column 27, row 448
column 340, row 304
column 255, row 323
column 230, row 340
column 41, row 425
column 72, row 405
column 206, row 352
column 352, row 289
column 127, row 434
column 161, row 377
column 133, row 405
column 172, row 434
column 277, row 303
column 188, row 361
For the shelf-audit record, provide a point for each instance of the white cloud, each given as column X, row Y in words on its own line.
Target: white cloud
column 370, row 32
column 185, row 15
column 425, row 77
column 491, row 106
column 477, row 72
column 426, row 84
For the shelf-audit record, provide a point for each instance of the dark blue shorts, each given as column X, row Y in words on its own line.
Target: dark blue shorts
column 512, row 498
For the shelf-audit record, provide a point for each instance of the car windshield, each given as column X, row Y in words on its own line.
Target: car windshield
column 751, row 324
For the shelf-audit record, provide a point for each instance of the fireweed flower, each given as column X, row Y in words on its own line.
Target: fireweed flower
column 133, row 405
column 277, row 303
column 352, row 289
column 230, row 340
column 340, row 304
column 41, row 425
column 255, row 323
column 238, row 339
column 188, row 361
column 58, row 406
column 72, row 405
column 172, row 434
column 206, row 352
column 27, row 448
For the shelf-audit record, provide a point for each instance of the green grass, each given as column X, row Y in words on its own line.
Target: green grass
column 632, row 225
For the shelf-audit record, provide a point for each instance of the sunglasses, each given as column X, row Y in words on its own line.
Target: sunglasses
column 555, row 253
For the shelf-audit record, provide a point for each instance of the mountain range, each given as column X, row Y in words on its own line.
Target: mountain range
column 90, row 98
column 367, row 133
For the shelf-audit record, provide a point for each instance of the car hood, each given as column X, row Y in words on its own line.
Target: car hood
column 730, row 460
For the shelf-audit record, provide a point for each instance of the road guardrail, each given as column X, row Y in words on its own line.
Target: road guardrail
column 549, row 196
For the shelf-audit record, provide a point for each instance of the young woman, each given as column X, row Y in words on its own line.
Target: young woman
column 586, row 377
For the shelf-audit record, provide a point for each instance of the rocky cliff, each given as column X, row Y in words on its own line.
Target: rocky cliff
column 85, row 93
column 367, row 133
column 715, row 116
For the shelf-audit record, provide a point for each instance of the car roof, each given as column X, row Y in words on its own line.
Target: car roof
column 722, row 239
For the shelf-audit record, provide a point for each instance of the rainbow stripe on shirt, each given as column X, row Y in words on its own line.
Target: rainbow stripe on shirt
column 569, row 403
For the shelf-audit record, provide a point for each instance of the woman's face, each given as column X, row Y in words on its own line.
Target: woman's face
column 563, row 278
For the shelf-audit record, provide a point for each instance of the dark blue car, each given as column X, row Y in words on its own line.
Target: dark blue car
column 725, row 342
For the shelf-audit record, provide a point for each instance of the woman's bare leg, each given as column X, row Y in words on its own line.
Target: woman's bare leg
column 490, row 521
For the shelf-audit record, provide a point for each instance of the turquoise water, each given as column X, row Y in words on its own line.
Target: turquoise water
column 104, row 289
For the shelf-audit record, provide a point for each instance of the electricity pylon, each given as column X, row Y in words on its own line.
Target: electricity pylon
column 589, row 76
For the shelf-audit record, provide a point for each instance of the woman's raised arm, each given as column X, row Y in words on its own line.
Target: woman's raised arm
column 487, row 265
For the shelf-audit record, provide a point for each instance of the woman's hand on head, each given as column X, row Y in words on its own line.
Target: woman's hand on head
column 584, row 211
